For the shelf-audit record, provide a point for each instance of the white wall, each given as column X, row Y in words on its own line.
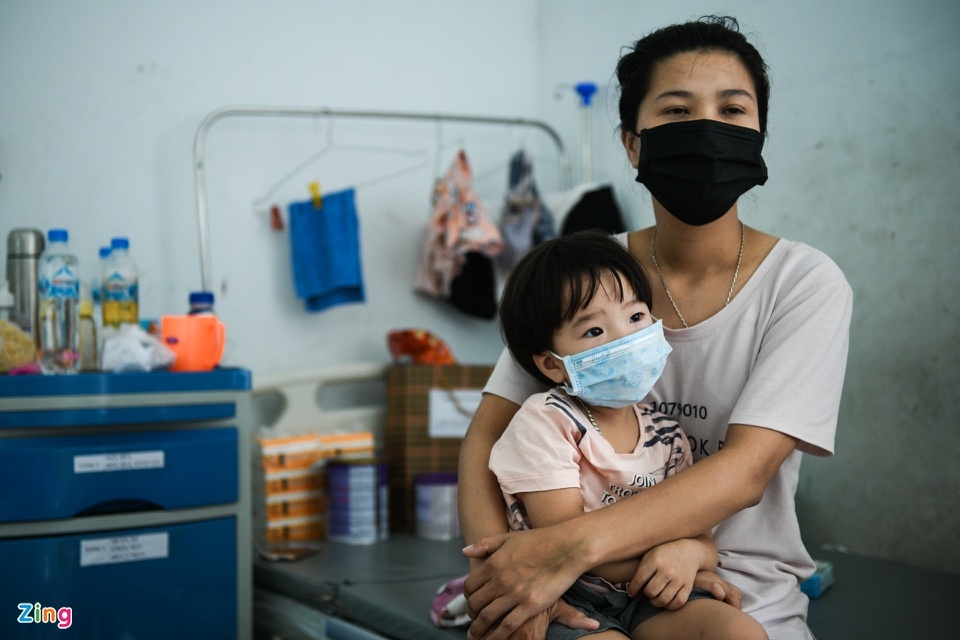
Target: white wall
column 99, row 103
column 102, row 100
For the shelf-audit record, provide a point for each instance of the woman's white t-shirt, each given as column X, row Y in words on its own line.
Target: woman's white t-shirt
column 775, row 357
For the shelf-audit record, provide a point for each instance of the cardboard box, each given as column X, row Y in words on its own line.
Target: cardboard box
column 412, row 447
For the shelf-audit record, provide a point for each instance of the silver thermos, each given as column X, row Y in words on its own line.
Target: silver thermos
column 24, row 247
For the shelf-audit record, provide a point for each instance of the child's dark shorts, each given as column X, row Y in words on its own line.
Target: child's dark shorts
column 612, row 609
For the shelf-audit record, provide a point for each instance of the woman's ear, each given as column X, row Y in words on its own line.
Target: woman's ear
column 550, row 367
column 631, row 143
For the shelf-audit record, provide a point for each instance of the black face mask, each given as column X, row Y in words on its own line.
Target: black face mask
column 697, row 169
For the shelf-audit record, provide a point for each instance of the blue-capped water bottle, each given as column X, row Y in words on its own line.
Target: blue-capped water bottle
column 96, row 287
column 120, row 290
column 201, row 303
column 59, row 289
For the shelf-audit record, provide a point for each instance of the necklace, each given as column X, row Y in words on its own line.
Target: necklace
column 653, row 254
column 589, row 415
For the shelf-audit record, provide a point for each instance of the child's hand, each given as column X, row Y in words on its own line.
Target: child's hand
column 666, row 573
column 720, row 588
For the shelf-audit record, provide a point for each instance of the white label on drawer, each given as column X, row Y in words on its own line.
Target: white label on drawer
column 124, row 549
column 134, row 461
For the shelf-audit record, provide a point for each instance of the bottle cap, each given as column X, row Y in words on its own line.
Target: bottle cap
column 57, row 235
column 120, row 243
column 104, row 252
column 201, row 299
column 86, row 308
column 6, row 297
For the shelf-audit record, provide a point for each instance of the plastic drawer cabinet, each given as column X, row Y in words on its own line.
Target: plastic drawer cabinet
column 125, row 506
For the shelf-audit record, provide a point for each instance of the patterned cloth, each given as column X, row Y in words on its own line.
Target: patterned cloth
column 449, row 606
column 526, row 220
column 459, row 226
column 456, row 262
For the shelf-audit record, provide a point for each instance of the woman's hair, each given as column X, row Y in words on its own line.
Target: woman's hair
column 554, row 281
column 709, row 33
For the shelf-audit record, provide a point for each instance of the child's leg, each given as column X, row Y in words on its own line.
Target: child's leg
column 560, row 632
column 703, row 618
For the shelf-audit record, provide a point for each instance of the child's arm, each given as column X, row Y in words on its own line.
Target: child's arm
column 666, row 573
column 663, row 565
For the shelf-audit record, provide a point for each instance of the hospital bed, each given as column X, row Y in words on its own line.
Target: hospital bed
column 384, row 590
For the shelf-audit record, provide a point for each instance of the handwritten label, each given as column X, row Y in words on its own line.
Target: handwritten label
column 134, row 461
column 124, row 549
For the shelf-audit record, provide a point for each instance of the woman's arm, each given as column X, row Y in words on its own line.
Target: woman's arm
column 547, row 508
column 527, row 572
column 663, row 572
column 479, row 499
column 481, row 506
column 666, row 573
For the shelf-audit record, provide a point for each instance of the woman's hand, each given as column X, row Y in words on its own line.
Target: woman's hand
column 536, row 627
column 720, row 588
column 523, row 575
column 667, row 572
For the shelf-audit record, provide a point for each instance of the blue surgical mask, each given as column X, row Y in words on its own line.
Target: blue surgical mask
column 619, row 373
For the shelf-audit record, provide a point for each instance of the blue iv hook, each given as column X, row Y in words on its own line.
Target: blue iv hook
column 586, row 91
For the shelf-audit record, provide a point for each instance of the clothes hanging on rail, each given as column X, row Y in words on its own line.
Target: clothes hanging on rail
column 325, row 251
column 588, row 206
column 474, row 291
column 526, row 219
column 459, row 245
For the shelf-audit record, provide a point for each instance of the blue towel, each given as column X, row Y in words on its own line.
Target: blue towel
column 325, row 250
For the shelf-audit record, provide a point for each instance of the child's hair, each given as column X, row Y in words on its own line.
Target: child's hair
column 554, row 281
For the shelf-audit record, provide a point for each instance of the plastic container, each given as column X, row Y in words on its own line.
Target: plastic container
column 197, row 341
column 201, row 303
column 7, row 302
column 357, row 501
column 120, row 286
column 437, row 506
column 59, row 289
column 89, row 347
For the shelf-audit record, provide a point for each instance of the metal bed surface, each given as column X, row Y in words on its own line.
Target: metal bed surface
column 387, row 588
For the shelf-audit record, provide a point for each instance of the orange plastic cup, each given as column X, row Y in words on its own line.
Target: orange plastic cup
column 196, row 340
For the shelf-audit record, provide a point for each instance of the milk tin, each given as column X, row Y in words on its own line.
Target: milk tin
column 358, row 501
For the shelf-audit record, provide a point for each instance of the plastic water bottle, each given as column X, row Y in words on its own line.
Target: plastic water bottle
column 201, row 303
column 119, row 291
column 96, row 287
column 7, row 301
column 59, row 288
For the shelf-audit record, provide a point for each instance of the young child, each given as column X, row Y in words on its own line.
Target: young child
column 575, row 313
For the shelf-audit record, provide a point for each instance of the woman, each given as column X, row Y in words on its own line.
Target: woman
column 759, row 329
